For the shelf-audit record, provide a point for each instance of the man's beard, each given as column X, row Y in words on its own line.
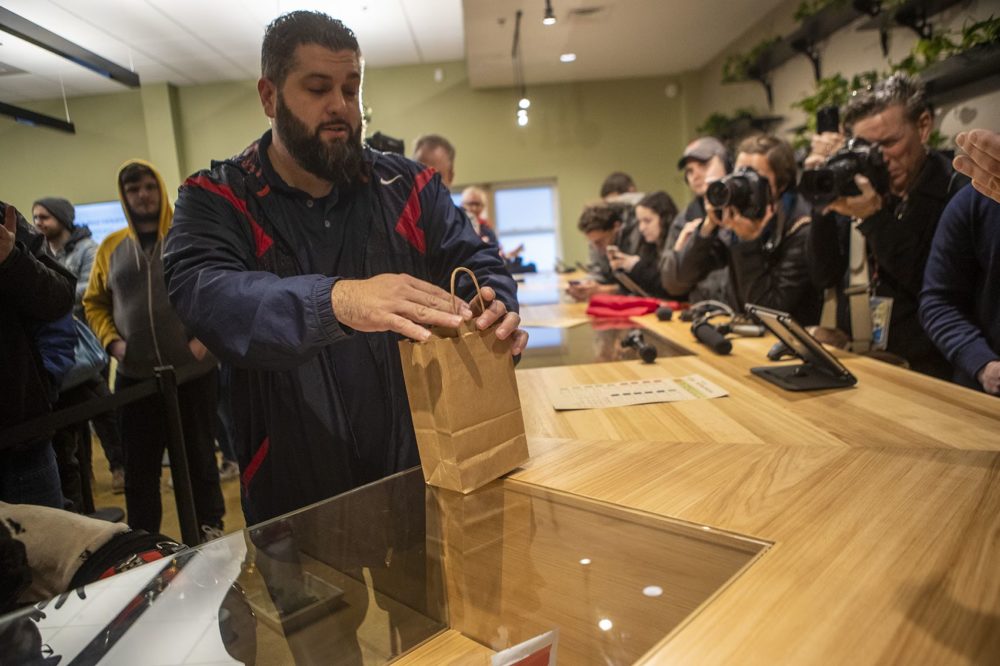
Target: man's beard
column 340, row 163
column 52, row 233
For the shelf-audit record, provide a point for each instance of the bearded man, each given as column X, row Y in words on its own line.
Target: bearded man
column 301, row 261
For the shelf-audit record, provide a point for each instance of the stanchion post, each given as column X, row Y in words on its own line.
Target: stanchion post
column 190, row 534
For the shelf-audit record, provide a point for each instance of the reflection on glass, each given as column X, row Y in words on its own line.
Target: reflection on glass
column 366, row 576
column 597, row 342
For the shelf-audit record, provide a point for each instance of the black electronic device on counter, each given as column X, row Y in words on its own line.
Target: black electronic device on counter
column 635, row 340
column 819, row 370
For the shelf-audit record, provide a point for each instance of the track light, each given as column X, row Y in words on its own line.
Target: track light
column 550, row 17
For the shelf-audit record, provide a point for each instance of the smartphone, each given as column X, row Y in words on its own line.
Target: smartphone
column 828, row 119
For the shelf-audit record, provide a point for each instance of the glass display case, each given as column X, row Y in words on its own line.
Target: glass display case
column 364, row 577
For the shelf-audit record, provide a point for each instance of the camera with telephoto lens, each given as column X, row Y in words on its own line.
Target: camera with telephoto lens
column 835, row 179
column 745, row 190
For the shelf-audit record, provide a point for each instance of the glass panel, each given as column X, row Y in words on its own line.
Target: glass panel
column 365, row 576
column 596, row 342
column 539, row 248
column 525, row 209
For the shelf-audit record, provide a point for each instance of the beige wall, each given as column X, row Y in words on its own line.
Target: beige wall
column 578, row 132
column 38, row 162
column 848, row 51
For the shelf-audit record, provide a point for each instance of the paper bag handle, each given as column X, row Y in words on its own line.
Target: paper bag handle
column 479, row 292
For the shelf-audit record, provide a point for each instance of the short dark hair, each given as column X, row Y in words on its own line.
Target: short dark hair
column 433, row 141
column 661, row 204
column 600, row 217
column 780, row 157
column 896, row 89
column 617, row 182
column 289, row 31
column 135, row 172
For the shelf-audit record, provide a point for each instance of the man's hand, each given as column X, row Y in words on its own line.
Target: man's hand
column 117, row 349
column 689, row 229
column 863, row 205
column 396, row 302
column 582, row 290
column 197, row 349
column 710, row 223
column 989, row 377
column 509, row 321
column 8, row 232
column 981, row 162
column 821, row 147
column 745, row 228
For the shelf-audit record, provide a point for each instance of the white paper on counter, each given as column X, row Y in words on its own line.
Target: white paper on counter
column 637, row 392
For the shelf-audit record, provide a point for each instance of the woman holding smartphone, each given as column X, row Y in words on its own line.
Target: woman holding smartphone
column 654, row 213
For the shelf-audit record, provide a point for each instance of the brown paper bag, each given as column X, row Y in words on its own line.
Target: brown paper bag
column 465, row 405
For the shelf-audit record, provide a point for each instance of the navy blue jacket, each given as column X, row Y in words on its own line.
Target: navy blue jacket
column 960, row 301
column 239, row 285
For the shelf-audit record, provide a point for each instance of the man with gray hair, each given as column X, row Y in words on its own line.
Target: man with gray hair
column 435, row 151
column 895, row 228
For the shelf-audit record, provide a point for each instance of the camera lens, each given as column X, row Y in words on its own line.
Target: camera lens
column 718, row 193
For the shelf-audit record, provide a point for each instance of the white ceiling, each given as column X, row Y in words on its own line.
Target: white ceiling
column 201, row 41
column 611, row 38
column 191, row 42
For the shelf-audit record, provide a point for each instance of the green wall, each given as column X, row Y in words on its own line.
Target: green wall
column 81, row 167
column 577, row 134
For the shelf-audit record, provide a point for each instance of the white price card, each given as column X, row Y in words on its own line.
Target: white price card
column 637, row 392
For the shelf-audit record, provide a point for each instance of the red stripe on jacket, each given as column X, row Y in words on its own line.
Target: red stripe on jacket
column 406, row 226
column 256, row 462
column 261, row 240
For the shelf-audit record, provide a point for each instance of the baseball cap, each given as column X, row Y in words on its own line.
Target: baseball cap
column 702, row 149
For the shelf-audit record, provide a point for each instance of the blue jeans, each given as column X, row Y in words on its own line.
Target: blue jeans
column 31, row 477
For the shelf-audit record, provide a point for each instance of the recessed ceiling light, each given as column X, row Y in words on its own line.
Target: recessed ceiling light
column 567, row 57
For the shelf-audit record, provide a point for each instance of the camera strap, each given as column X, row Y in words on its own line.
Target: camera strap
column 857, row 293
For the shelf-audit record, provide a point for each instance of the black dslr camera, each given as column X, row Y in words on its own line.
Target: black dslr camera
column 835, row 178
column 744, row 189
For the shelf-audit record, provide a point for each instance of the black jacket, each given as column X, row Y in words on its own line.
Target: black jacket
column 771, row 270
column 899, row 241
column 249, row 295
column 34, row 290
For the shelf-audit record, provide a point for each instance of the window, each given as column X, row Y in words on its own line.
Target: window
column 103, row 218
column 524, row 214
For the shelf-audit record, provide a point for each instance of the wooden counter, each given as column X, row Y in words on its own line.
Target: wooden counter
column 883, row 501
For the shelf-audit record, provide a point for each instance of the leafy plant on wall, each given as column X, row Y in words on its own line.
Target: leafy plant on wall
column 835, row 90
column 808, row 8
column 728, row 128
column 938, row 47
column 830, row 91
column 740, row 66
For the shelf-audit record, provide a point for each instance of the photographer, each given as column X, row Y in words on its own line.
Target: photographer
column 768, row 220
column 897, row 227
column 704, row 160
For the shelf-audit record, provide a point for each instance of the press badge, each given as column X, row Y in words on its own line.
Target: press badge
column 881, row 308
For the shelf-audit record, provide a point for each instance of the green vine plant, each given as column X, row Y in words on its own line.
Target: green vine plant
column 809, row 8
column 927, row 52
column 830, row 91
column 725, row 127
column 740, row 67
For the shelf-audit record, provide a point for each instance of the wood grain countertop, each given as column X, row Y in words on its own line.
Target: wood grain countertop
column 883, row 501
